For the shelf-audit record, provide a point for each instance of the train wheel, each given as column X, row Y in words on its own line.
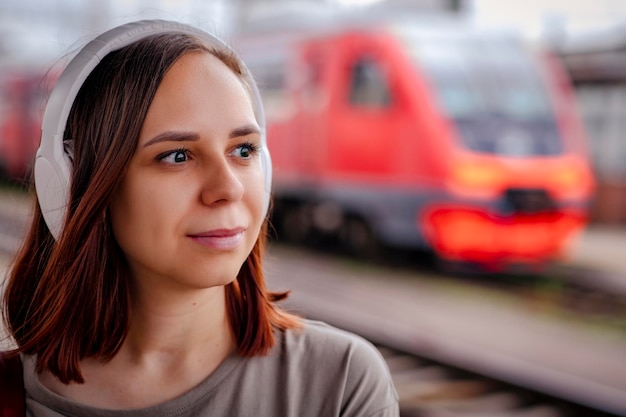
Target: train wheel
column 295, row 226
column 357, row 237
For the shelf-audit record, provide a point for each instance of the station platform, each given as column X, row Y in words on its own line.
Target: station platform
column 600, row 251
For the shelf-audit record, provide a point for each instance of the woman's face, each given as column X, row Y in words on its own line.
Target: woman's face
column 192, row 202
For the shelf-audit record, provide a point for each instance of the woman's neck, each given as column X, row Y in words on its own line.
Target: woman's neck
column 177, row 324
column 173, row 338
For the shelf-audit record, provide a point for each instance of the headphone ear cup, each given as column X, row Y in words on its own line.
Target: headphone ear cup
column 51, row 183
column 266, row 164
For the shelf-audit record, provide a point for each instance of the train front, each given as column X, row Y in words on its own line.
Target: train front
column 518, row 183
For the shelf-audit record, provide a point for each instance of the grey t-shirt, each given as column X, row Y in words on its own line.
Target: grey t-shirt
column 318, row 371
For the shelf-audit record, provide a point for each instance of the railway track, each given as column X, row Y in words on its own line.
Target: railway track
column 430, row 389
column 428, row 385
column 580, row 292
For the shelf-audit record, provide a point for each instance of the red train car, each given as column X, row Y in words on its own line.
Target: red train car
column 22, row 97
column 460, row 141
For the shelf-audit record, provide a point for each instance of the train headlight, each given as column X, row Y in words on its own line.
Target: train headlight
column 571, row 179
column 476, row 177
column 567, row 177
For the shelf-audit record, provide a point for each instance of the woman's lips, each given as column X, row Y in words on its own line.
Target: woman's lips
column 220, row 239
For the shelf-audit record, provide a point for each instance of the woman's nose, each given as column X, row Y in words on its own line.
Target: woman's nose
column 220, row 183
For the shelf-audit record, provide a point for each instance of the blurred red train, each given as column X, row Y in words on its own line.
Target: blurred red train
column 460, row 141
column 21, row 106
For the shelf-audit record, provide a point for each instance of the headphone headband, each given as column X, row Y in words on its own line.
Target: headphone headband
column 53, row 164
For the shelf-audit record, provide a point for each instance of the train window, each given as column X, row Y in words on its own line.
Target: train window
column 491, row 88
column 313, row 93
column 368, row 85
column 313, row 73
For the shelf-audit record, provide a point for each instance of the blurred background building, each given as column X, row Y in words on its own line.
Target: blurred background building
column 588, row 34
column 47, row 27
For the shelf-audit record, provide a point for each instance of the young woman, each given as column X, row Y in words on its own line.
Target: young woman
column 139, row 289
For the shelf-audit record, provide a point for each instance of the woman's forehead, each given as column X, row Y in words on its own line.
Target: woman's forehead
column 199, row 92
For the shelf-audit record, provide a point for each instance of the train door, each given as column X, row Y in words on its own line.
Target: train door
column 364, row 113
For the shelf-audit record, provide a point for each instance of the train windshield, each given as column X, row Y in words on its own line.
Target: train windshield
column 491, row 88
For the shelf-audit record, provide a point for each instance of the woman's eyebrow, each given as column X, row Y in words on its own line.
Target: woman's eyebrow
column 244, row 131
column 173, row 136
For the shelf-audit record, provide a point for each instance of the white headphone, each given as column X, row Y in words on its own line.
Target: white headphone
column 53, row 165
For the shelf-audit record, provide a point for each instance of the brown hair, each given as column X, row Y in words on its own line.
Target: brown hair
column 70, row 299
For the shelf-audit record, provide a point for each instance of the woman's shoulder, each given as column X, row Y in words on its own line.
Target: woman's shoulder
column 321, row 335
column 319, row 343
column 356, row 368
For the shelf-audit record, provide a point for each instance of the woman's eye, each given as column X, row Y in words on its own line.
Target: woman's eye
column 246, row 150
column 175, row 157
